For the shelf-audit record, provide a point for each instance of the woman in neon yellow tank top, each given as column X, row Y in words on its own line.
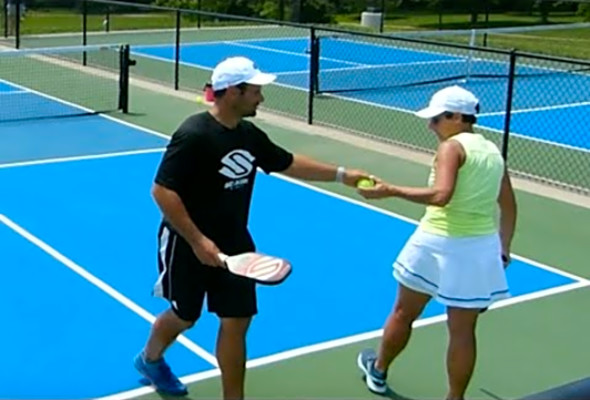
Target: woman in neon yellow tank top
column 457, row 252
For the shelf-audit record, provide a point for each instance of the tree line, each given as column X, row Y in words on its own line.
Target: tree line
column 324, row 10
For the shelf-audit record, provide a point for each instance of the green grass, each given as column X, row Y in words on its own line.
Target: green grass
column 574, row 43
column 37, row 22
column 428, row 20
column 571, row 43
column 46, row 21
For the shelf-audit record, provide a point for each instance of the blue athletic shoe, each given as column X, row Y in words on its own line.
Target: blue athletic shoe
column 375, row 380
column 160, row 375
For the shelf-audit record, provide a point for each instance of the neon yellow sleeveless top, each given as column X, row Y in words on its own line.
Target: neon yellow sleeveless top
column 472, row 210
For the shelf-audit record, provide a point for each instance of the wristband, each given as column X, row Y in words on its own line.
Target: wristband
column 340, row 171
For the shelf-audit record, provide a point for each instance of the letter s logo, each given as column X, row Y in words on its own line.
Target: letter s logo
column 237, row 164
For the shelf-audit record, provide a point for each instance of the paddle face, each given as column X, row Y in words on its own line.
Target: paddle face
column 260, row 267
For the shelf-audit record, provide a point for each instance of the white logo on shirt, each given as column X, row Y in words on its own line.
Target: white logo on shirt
column 237, row 164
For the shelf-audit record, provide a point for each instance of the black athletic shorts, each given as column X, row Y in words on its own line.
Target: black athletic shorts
column 184, row 281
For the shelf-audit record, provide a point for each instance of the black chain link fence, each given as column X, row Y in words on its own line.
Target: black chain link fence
column 536, row 108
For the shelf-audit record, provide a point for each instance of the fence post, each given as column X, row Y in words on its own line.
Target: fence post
column 107, row 20
column 281, row 10
column 487, row 11
column 177, row 52
column 296, row 10
column 199, row 6
column 440, row 14
column 17, row 24
column 84, row 29
column 5, row 20
column 382, row 22
column 313, row 72
column 510, row 88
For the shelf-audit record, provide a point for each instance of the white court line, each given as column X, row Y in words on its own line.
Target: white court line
column 368, row 67
column 292, row 53
column 80, row 158
column 190, row 64
column 396, row 47
column 478, row 125
column 305, row 350
column 535, row 109
column 209, row 42
column 242, row 43
column 190, row 345
column 294, row 72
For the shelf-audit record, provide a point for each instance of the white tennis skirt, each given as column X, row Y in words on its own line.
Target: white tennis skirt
column 465, row 272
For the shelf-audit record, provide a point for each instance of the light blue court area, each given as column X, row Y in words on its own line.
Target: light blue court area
column 21, row 103
column 64, row 337
column 70, row 137
column 550, row 124
column 77, row 341
column 60, row 134
column 372, row 73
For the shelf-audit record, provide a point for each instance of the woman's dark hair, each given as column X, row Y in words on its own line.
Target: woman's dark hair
column 467, row 118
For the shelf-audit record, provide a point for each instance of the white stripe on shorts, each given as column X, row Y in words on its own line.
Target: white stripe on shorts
column 167, row 266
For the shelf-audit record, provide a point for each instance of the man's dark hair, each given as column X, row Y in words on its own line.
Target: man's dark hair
column 220, row 93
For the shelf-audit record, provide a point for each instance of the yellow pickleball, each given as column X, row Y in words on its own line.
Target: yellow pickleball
column 365, row 183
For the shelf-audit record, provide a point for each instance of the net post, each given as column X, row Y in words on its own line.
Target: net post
column 125, row 63
column 17, row 24
column 313, row 72
column 84, row 29
column 177, row 51
column 511, row 76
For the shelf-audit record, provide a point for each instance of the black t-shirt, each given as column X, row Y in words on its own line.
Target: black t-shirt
column 212, row 168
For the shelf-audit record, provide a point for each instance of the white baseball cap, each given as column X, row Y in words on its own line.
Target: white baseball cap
column 452, row 99
column 235, row 70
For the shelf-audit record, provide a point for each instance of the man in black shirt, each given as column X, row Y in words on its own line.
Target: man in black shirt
column 203, row 187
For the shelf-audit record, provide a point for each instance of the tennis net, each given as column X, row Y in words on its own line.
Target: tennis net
column 352, row 63
column 63, row 81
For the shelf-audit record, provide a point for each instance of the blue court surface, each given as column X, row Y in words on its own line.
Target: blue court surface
column 78, row 227
column 540, row 106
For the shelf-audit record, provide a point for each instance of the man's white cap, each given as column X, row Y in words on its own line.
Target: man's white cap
column 452, row 99
column 235, row 70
